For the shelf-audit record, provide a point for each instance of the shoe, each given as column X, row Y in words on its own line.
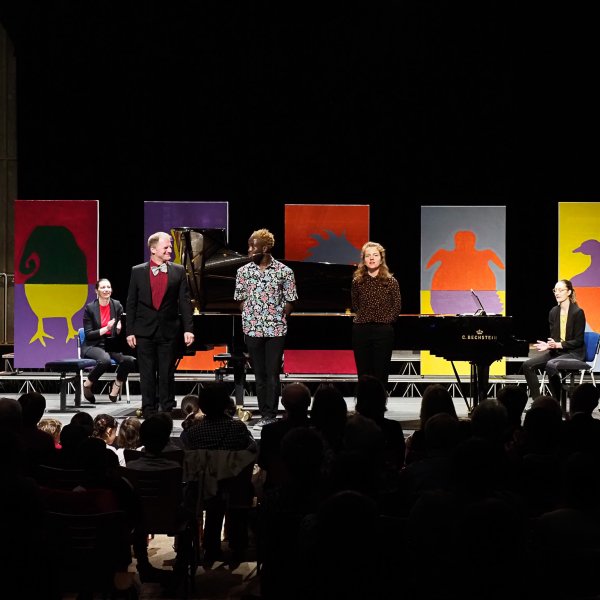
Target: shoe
column 117, row 396
column 88, row 394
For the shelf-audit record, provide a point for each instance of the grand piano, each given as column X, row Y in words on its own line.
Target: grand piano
column 211, row 266
column 323, row 291
column 479, row 339
column 322, row 317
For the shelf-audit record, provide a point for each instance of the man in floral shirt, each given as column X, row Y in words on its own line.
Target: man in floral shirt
column 266, row 289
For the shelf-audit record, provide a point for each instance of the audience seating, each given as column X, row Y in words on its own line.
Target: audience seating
column 161, row 496
column 176, row 455
column 85, row 553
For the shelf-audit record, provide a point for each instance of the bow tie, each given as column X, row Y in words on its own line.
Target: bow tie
column 157, row 268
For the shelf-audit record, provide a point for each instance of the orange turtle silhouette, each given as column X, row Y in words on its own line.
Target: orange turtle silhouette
column 464, row 267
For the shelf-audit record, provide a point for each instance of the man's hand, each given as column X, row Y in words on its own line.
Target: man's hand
column 188, row 338
column 131, row 341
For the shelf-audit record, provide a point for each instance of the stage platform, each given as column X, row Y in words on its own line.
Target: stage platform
column 405, row 410
column 406, row 387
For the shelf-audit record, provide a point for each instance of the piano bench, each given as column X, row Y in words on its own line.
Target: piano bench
column 69, row 365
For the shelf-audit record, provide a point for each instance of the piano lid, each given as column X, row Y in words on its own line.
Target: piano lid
column 211, row 267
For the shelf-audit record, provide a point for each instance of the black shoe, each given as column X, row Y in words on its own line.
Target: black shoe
column 88, row 394
column 148, row 412
column 117, row 396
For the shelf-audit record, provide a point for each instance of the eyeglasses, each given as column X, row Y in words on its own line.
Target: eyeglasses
column 559, row 290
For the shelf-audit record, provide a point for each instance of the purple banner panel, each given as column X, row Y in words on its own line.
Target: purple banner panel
column 164, row 216
column 55, row 324
column 56, row 267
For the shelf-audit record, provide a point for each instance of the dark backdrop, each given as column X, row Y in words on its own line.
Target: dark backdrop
column 396, row 105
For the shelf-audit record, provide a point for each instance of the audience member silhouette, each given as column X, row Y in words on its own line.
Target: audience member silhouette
column 85, row 420
column 540, row 452
column 581, row 429
column 328, row 416
column 24, row 545
column 38, row 445
column 328, row 548
column 361, row 465
column 11, row 415
column 71, row 437
column 371, row 402
column 128, row 437
column 566, row 540
column 190, row 407
column 53, row 427
column 475, row 522
column 514, row 399
column 282, row 509
column 436, row 399
column 154, row 435
column 219, row 431
column 432, row 471
column 295, row 399
column 105, row 429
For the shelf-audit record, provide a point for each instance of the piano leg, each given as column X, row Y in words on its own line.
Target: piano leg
column 480, row 381
column 480, row 378
column 460, row 387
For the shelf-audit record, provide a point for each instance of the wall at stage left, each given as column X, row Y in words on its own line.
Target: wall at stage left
column 56, row 268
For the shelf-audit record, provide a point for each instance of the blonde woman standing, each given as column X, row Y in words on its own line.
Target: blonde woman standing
column 376, row 302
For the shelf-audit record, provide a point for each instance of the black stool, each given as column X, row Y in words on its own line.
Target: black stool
column 65, row 366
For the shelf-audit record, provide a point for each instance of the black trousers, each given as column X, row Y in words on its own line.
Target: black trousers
column 552, row 363
column 373, row 344
column 266, row 354
column 125, row 363
column 156, row 362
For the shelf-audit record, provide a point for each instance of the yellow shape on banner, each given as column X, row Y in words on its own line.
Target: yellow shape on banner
column 49, row 300
column 577, row 222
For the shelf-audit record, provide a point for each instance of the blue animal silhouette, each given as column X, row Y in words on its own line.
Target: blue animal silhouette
column 333, row 249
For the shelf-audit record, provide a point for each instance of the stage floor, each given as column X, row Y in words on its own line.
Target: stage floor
column 405, row 410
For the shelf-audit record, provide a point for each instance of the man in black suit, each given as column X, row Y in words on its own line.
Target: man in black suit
column 158, row 305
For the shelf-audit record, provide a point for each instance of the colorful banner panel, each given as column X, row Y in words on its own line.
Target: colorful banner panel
column 165, row 216
column 332, row 233
column 579, row 255
column 463, row 248
column 56, row 268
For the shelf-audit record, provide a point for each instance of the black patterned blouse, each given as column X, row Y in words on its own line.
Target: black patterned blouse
column 376, row 299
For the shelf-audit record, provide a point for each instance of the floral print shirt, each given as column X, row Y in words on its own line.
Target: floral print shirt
column 265, row 294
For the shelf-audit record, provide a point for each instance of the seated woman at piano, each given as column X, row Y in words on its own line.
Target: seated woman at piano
column 101, row 323
column 566, row 341
column 376, row 301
